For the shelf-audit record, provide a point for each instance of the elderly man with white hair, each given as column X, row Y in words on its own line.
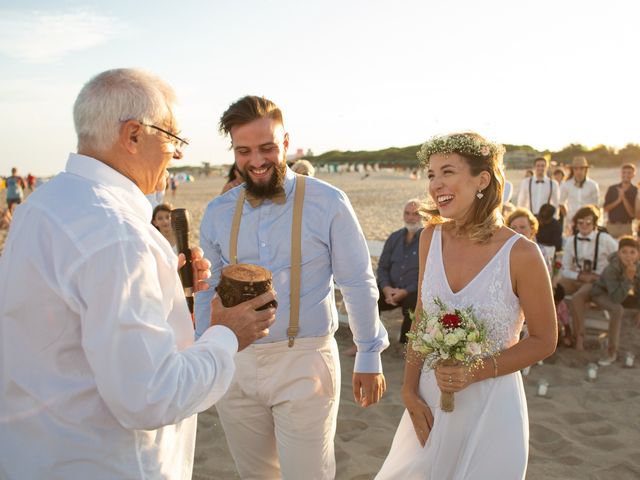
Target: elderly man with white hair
column 100, row 374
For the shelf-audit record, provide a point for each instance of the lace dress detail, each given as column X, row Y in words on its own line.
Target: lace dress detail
column 487, row 434
column 490, row 292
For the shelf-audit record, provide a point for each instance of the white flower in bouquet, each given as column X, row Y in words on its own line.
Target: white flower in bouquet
column 450, row 335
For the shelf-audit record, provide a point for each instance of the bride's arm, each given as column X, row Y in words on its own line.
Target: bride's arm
column 532, row 285
column 420, row 413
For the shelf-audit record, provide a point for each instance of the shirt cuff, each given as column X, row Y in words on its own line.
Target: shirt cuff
column 222, row 336
column 368, row 362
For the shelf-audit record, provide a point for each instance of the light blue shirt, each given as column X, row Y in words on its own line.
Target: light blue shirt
column 333, row 249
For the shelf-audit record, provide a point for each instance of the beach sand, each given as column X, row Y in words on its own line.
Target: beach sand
column 583, row 429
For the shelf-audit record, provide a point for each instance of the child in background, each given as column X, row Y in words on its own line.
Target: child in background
column 618, row 287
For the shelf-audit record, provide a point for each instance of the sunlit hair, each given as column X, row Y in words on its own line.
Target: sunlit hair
column 115, row 96
column 587, row 211
column 162, row 207
column 628, row 241
column 485, row 216
column 304, row 167
column 628, row 166
column 246, row 110
column 540, row 159
column 524, row 213
column 423, row 209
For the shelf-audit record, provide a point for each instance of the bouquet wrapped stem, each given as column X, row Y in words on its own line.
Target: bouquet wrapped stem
column 447, row 403
column 449, row 336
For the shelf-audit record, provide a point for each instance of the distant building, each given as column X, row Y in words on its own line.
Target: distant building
column 292, row 157
column 519, row 159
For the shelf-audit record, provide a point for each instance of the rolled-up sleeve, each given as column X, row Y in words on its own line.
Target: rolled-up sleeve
column 145, row 380
column 353, row 274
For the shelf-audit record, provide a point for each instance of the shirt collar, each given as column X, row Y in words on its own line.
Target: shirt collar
column 98, row 172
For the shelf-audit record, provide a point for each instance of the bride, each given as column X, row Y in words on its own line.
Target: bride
column 471, row 259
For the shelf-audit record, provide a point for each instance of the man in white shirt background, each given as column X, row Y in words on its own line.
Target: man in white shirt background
column 586, row 254
column 577, row 191
column 100, row 376
column 539, row 189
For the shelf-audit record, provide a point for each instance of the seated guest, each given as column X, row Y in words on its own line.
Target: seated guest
column 620, row 203
column 549, row 228
column 522, row 221
column 398, row 267
column 617, row 287
column 585, row 256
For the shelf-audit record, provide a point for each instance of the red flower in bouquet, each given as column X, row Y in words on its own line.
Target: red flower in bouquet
column 451, row 320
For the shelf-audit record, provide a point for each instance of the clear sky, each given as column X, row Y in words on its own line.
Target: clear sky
column 348, row 75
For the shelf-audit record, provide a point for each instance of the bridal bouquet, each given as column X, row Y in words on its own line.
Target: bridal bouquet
column 450, row 337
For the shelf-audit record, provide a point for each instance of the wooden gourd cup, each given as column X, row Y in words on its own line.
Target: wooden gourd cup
column 243, row 281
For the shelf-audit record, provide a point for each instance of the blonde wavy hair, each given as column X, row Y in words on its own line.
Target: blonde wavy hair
column 485, row 216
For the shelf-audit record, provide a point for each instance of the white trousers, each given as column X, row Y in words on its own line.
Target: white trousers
column 279, row 414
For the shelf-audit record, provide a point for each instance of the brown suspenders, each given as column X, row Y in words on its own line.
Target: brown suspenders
column 296, row 251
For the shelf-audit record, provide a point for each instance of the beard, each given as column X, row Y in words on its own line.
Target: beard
column 413, row 227
column 271, row 186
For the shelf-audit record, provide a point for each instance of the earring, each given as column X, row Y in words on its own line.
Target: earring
column 479, row 194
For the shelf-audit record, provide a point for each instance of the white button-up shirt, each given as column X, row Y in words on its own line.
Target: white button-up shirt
column 100, row 377
column 536, row 192
column 333, row 247
column 574, row 198
column 572, row 264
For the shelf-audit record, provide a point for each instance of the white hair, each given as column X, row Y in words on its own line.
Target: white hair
column 304, row 167
column 115, row 96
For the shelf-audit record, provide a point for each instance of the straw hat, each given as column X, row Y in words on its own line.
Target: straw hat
column 580, row 161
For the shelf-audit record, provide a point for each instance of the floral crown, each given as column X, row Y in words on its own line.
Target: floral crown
column 458, row 143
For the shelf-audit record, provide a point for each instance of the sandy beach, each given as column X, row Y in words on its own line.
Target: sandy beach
column 582, row 430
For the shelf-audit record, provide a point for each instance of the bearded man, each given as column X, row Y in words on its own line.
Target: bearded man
column 279, row 415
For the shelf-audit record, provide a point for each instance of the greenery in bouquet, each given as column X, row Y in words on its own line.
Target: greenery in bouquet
column 450, row 334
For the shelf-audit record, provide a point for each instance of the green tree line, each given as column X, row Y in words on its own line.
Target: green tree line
column 599, row 156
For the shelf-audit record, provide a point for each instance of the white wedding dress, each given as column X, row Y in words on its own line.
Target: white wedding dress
column 486, row 437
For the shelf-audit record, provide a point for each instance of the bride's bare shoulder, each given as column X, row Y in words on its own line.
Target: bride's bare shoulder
column 427, row 233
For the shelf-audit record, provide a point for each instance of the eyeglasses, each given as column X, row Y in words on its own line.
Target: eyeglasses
column 178, row 142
